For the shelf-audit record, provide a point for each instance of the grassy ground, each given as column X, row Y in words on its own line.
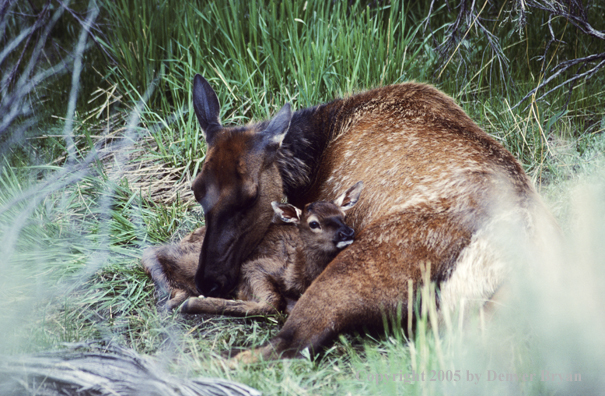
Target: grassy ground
column 73, row 226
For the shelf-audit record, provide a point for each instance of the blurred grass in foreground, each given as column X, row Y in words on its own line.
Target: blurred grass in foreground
column 73, row 226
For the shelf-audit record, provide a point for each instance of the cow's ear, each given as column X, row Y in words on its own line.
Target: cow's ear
column 207, row 108
column 276, row 131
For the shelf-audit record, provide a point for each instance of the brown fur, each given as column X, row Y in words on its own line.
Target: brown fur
column 438, row 190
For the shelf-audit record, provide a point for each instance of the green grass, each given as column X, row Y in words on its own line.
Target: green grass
column 71, row 242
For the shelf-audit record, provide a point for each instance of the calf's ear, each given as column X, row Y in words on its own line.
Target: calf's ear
column 347, row 200
column 286, row 212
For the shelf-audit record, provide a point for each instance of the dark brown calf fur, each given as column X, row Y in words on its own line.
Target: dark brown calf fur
column 293, row 252
column 438, row 190
column 173, row 267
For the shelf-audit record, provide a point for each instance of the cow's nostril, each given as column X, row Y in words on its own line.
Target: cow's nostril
column 214, row 291
column 210, row 289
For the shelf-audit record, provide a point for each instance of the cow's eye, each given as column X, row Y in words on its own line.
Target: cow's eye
column 314, row 225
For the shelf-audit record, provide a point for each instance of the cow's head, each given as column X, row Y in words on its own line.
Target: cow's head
column 238, row 182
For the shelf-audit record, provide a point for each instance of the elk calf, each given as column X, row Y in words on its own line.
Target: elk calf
column 294, row 251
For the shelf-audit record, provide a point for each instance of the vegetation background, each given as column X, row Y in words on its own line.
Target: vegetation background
column 99, row 144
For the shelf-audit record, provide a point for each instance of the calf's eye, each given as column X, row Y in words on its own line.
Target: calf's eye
column 314, row 225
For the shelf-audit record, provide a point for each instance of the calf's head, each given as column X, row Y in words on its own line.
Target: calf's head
column 237, row 182
column 322, row 224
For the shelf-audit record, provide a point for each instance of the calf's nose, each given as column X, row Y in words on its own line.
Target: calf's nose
column 345, row 234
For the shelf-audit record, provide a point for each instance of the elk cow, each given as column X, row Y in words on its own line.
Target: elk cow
column 293, row 252
column 438, row 190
